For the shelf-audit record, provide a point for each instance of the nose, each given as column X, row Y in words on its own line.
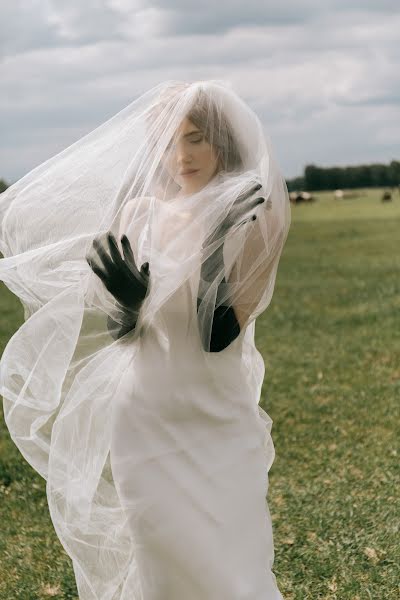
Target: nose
column 183, row 154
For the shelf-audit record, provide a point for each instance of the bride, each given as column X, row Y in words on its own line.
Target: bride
column 133, row 385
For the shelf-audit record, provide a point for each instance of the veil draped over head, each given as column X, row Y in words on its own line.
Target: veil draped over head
column 61, row 372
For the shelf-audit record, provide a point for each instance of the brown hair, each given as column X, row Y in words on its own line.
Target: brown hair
column 210, row 119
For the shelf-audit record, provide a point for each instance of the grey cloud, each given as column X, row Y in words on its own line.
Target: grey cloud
column 37, row 25
column 314, row 72
column 373, row 100
column 378, row 6
column 209, row 17
column 182, row 17
column 25, row 28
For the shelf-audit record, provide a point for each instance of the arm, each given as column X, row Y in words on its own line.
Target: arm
column 126, row 322
column 253, row 276
column 123, row 280
column 126, row 318
column 225, row 326
column 252, row 279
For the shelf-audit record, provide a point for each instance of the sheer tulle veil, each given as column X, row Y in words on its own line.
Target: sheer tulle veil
column 62, row 372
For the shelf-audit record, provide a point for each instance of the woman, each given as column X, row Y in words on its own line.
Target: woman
column 154, row 447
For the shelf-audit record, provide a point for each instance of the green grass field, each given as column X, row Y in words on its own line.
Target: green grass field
column 331, row 344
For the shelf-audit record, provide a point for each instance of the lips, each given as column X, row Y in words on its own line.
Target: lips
column 191, row 172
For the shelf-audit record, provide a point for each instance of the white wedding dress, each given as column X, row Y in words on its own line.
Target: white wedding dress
column 190, row 455
column 155, row 452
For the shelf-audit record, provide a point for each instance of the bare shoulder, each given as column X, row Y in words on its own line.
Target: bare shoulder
column 137, row 203
column 133, row 212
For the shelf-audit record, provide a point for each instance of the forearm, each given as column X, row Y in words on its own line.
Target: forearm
column 123, row 322
column 225, row 327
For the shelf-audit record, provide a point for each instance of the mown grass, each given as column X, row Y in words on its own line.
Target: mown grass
column 331, row 344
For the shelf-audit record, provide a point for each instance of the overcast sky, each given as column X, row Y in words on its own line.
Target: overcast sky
column 323, row 76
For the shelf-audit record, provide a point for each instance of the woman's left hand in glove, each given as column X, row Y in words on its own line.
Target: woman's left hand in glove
column 240, row 212
column 225, row 326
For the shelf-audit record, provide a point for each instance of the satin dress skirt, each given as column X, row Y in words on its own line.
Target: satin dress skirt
column 190, row 468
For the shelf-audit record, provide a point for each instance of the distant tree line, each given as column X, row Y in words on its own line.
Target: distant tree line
column 3, row 185
column 333, row 178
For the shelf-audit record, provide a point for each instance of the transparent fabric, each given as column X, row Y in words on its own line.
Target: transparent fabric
column 155, row 449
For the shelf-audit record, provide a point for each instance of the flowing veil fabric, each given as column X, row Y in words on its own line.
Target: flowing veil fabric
column 63, row 374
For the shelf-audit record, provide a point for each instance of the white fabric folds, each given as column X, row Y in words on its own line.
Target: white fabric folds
column 154, row 448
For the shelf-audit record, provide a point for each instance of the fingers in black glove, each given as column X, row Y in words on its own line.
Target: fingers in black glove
column 241, row 207
column 243, row 204
column 120, row 274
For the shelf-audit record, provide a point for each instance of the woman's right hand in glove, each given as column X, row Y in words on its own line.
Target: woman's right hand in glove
column 120, row 275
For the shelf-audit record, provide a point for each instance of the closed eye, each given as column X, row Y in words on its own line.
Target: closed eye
column 192, row 141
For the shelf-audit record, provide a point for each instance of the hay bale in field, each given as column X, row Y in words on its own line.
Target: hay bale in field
column 296, row 197
column 347, row 194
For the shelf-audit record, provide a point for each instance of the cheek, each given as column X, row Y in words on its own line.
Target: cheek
column 169, row 163
column 208, row 158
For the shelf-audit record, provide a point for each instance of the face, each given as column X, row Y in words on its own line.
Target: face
column 189, row 159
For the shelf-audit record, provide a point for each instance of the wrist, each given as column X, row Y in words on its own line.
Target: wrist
column 129, row 310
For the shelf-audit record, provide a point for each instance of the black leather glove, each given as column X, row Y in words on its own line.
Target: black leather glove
column 225, row 326
column 122, row 279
